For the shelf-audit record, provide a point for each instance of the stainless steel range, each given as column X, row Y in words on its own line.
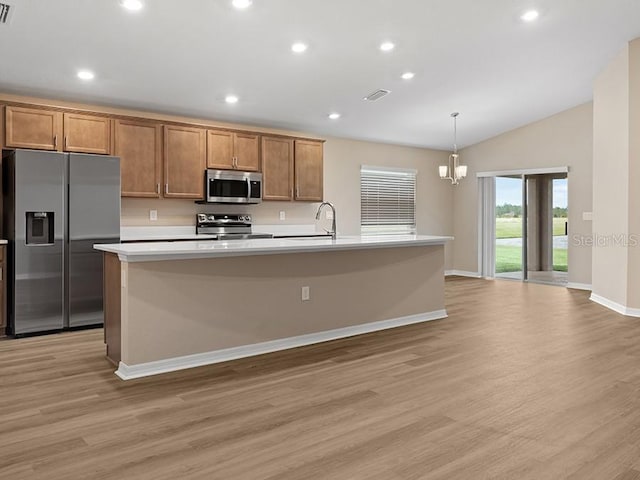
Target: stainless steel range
column 225, row 226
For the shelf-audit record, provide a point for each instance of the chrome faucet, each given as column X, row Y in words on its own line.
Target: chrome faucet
column 333, row 223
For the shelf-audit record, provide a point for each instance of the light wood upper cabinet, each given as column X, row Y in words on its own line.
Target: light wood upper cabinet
column 220, row 149
column 87, row 134
column 308, row 170
column 277, row 168
column 33, row 128
column 185, row 160
column 45, row 129
column 246, row 148
column 233, row 151
column 139, row 146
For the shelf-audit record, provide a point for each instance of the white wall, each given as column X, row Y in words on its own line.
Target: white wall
column 565, row 139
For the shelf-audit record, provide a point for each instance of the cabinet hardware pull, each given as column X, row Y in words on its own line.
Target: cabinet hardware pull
column 66, row 143
column 297, row 192
column 166, row 188
column 55, row 142
column 158, row 188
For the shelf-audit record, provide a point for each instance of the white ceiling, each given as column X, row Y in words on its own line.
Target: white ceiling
column 184, row 57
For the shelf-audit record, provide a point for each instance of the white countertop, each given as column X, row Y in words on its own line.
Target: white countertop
column 159, row 233
column 187, row 250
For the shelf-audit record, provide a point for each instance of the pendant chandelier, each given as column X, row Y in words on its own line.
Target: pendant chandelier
column 453, row 171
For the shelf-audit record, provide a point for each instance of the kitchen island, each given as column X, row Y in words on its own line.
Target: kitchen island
column 176, row 305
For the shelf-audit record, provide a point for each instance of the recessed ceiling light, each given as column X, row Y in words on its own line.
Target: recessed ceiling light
column 387, row 46
column 241, row 4
column 231, row 99
column 530, row 16
column 298, row 47
column 133, row 5
column 408, row 75
column 86, row 75
column 334, row 116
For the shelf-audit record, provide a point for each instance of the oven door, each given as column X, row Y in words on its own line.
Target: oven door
column 233, row 187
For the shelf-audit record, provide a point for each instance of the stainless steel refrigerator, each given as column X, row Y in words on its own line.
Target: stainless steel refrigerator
column 56, row 207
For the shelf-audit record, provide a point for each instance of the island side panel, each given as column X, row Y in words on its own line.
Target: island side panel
column 112, row 306
column 177, row 308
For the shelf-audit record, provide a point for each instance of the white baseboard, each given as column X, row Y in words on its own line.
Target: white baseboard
column 129, row 372
column 616, row 307
column 579, row 286
column 461, row 273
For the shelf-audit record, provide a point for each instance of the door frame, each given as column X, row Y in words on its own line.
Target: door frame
column 485, row 218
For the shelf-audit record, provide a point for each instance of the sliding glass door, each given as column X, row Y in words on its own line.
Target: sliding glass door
column 509, row 214
column 529, row 228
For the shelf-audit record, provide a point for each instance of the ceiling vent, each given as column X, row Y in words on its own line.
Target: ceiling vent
column 6, row 11
column 377, row 95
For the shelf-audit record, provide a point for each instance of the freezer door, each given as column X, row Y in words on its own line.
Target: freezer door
column 94, row 217
column 37, row 243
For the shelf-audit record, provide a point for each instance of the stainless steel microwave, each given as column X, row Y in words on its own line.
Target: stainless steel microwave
column 229, row 186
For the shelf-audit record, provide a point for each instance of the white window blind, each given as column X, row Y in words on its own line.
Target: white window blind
column 387, row 200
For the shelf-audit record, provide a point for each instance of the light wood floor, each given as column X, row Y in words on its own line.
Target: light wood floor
column 520, row 382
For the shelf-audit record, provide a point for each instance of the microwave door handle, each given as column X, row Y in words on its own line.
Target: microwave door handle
column 248, row 189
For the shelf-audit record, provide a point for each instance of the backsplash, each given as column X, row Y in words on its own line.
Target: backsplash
column 177, row 212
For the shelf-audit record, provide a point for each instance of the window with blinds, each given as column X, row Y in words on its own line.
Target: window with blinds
column 387, row 200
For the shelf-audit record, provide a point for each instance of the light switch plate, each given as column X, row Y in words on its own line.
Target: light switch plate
column 153, row 215
column 329, row 214
column 306, row 294
column 283, row 215
column 587, row 216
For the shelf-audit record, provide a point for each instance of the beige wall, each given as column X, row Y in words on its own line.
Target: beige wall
column 610, row 167
column 257, row 299
column 565, row 139
column 633, row 275
column 616, row 166
column 342, row 161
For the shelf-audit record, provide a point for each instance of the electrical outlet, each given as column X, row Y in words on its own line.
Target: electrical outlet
column 306, row 294
column 329, row 214
column 283, row 215
column 153, row 215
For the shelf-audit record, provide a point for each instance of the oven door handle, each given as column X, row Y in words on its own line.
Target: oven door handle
column 248, row 189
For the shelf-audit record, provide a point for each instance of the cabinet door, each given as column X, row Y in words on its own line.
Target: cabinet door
column 220, row 149
column 139, row 146
column 86, row 134
column 308, row 171
column 33, row 128
column 277, row 168
column 246, row 148
column 185, row 160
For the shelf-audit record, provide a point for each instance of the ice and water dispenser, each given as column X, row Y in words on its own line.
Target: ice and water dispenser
column 40, row 228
